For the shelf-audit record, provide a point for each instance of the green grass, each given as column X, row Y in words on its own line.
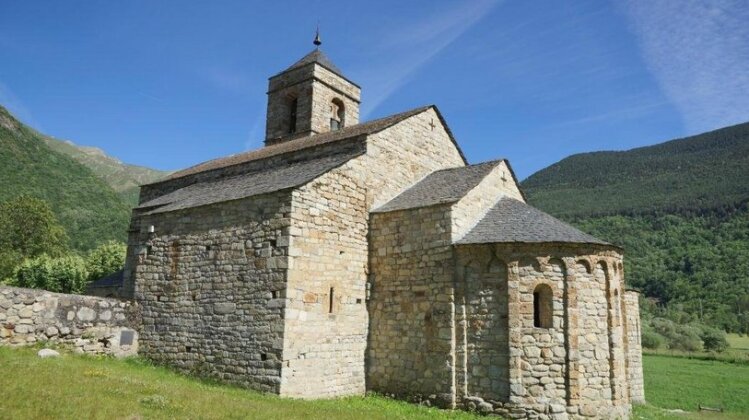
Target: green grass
column 101, row 388
column 680, row 383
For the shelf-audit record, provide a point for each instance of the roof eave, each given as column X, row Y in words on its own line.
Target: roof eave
column 337, row 73
column 562, row 243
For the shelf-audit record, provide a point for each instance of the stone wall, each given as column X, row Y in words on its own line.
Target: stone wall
column 569, row 369
column 633, row 334
column 211, row 283
column 326, row 317
column 89, row 324
column 482, row 328
column 411, row 336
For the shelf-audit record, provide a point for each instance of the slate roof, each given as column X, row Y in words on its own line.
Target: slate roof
column 301, row 143
column 319, row 57
column 246, row 185
column 512, row 221
column 440, row 187
column 114, row 279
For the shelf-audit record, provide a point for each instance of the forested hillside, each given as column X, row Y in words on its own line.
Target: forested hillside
column 680, row 211
column 89, row 209
column 688, row 175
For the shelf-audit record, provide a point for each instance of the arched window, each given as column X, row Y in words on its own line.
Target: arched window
column 337, row 114
column 293, row 103
column 543, row 309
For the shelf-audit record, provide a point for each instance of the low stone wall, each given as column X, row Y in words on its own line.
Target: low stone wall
column 90, row 324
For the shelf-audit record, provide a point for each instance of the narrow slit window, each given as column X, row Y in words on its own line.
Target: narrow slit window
column 543, row 306
column 331, row 298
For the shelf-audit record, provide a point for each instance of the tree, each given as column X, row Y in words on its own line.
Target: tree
column 28, row 229
column 105, row 259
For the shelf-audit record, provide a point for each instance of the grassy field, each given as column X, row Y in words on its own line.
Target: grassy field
column 101, row 388
column 673, row 383
column 75, row 387
column 738, row 342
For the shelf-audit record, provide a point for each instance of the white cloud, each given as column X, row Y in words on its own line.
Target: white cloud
column 408, row 48
column 698, row 52
column 638, row 110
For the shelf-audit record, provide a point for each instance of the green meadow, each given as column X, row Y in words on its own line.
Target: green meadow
column 73, row 387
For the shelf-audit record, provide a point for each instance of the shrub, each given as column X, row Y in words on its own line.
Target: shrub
column 105, row 259
column 62, row 275
column 714, row 339
column 651, row 340
column 678, row 337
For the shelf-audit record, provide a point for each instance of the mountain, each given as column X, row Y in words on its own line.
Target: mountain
column 123, row 178
column 91, row 211
column 694, row 173
column 680, row 209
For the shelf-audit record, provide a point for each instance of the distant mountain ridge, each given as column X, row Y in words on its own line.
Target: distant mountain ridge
column 122, row 177
column 704, row 171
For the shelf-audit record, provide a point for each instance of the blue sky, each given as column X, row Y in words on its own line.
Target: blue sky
column 168, row 84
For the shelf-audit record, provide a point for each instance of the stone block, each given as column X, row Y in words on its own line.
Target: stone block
column 85, row 314
column 224, row 308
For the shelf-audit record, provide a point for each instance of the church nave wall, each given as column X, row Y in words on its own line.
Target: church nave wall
column 210, row 282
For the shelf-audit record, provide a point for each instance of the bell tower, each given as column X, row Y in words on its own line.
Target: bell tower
column 310, row 97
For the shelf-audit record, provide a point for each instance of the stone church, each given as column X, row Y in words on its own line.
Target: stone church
column 345, row 257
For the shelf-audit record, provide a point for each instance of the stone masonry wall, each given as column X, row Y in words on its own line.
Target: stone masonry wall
column 411, row 341
column 474, row 206
column 211, row 284
column 326, row 316
column 482, row 328
column 601, row 341
column 555, row 372
column 634, row 347
column 89, row 324
column 401, row 155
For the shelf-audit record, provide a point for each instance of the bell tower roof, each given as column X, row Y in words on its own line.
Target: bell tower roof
column 319, row 57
